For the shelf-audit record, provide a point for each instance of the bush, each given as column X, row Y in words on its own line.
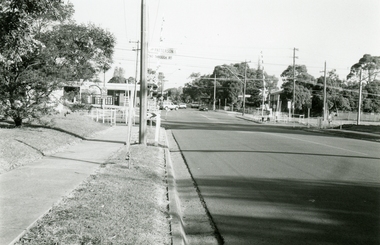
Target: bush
column 79, row 107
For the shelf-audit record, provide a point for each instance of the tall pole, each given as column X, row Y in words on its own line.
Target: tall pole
column 324, row 96
column 360, row 97
column 137, row 62
column 294, row 80
column 263, row 102
column 162, row 89
column 103, row 90
column 143, row 82
column 213, row 107
column 132, row 104
column 245, row 87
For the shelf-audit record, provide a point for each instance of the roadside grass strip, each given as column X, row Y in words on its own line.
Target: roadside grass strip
column 121, row 204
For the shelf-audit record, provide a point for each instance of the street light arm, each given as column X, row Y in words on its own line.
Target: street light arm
column 234, row 74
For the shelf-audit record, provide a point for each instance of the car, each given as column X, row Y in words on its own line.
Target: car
column 203, row 108
column 182, row 106
column 195, row 105
column 167, row 105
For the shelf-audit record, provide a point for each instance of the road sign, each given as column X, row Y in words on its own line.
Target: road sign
column 246, row 96
column 151, row 115
column 161, row 50
column 162, row 57
column 161, row 53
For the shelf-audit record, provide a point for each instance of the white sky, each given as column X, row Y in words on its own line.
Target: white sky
column 207, row 33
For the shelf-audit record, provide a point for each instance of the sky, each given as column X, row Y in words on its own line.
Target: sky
column 208, row 33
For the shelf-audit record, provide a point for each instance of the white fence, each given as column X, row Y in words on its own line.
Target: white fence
column 352, row 116
column 112, row 116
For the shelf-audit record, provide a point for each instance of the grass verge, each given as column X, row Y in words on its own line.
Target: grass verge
column 20, row 146
column 374, row 129
column 121, row 204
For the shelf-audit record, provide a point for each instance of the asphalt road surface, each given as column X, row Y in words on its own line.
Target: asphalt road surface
column 266, row 184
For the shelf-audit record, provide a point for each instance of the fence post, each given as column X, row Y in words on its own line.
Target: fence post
column 158, row 125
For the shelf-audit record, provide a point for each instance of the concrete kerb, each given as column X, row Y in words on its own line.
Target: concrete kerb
column 190, row 223
column 176, row 222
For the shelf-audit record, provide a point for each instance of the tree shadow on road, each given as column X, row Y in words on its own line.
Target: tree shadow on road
column 286, row 211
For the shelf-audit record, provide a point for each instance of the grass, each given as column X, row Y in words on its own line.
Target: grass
column 118, row 205
column 374, row 129
column 123, row 203
column 20, row 146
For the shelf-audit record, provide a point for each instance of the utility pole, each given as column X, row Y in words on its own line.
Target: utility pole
column 213, row 107
column 132, row 104
column 143, row 82
column 263, row 102
column 294, row 79
column 324, row 96
column 245, row 87
column 360, row 96
column 137, row 49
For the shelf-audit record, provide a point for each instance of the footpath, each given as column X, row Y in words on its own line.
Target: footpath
column 29, row 192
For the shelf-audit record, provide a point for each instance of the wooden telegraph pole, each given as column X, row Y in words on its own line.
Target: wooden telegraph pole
column 213, row 106
column 294, row 81
column 360, row 97
column 143, row 82
column 324, row 95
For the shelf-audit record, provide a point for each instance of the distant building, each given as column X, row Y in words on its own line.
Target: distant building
column 114, row 94
column 275, row 101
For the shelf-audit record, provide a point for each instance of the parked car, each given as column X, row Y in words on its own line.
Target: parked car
column 195, row 105
column 203, row 108
column 182, row 106
column 167, row 105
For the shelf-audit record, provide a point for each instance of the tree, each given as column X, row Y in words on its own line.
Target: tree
column 199, row 88
column 334, row 94
column 46, row 58
column 22, row 20
column 371, row 94
column 304, row 82
column 118, row 76
column 370, row 66
column 230, row 84
column 174, row 94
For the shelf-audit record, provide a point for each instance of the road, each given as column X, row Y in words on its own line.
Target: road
column 266, row 184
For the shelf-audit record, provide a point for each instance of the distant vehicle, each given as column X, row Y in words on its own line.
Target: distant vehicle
column 195, row 105
column 182, row 106
column 167, row 105
column 203, row 108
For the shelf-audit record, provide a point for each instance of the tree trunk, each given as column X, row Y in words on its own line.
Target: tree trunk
column 17, row 121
